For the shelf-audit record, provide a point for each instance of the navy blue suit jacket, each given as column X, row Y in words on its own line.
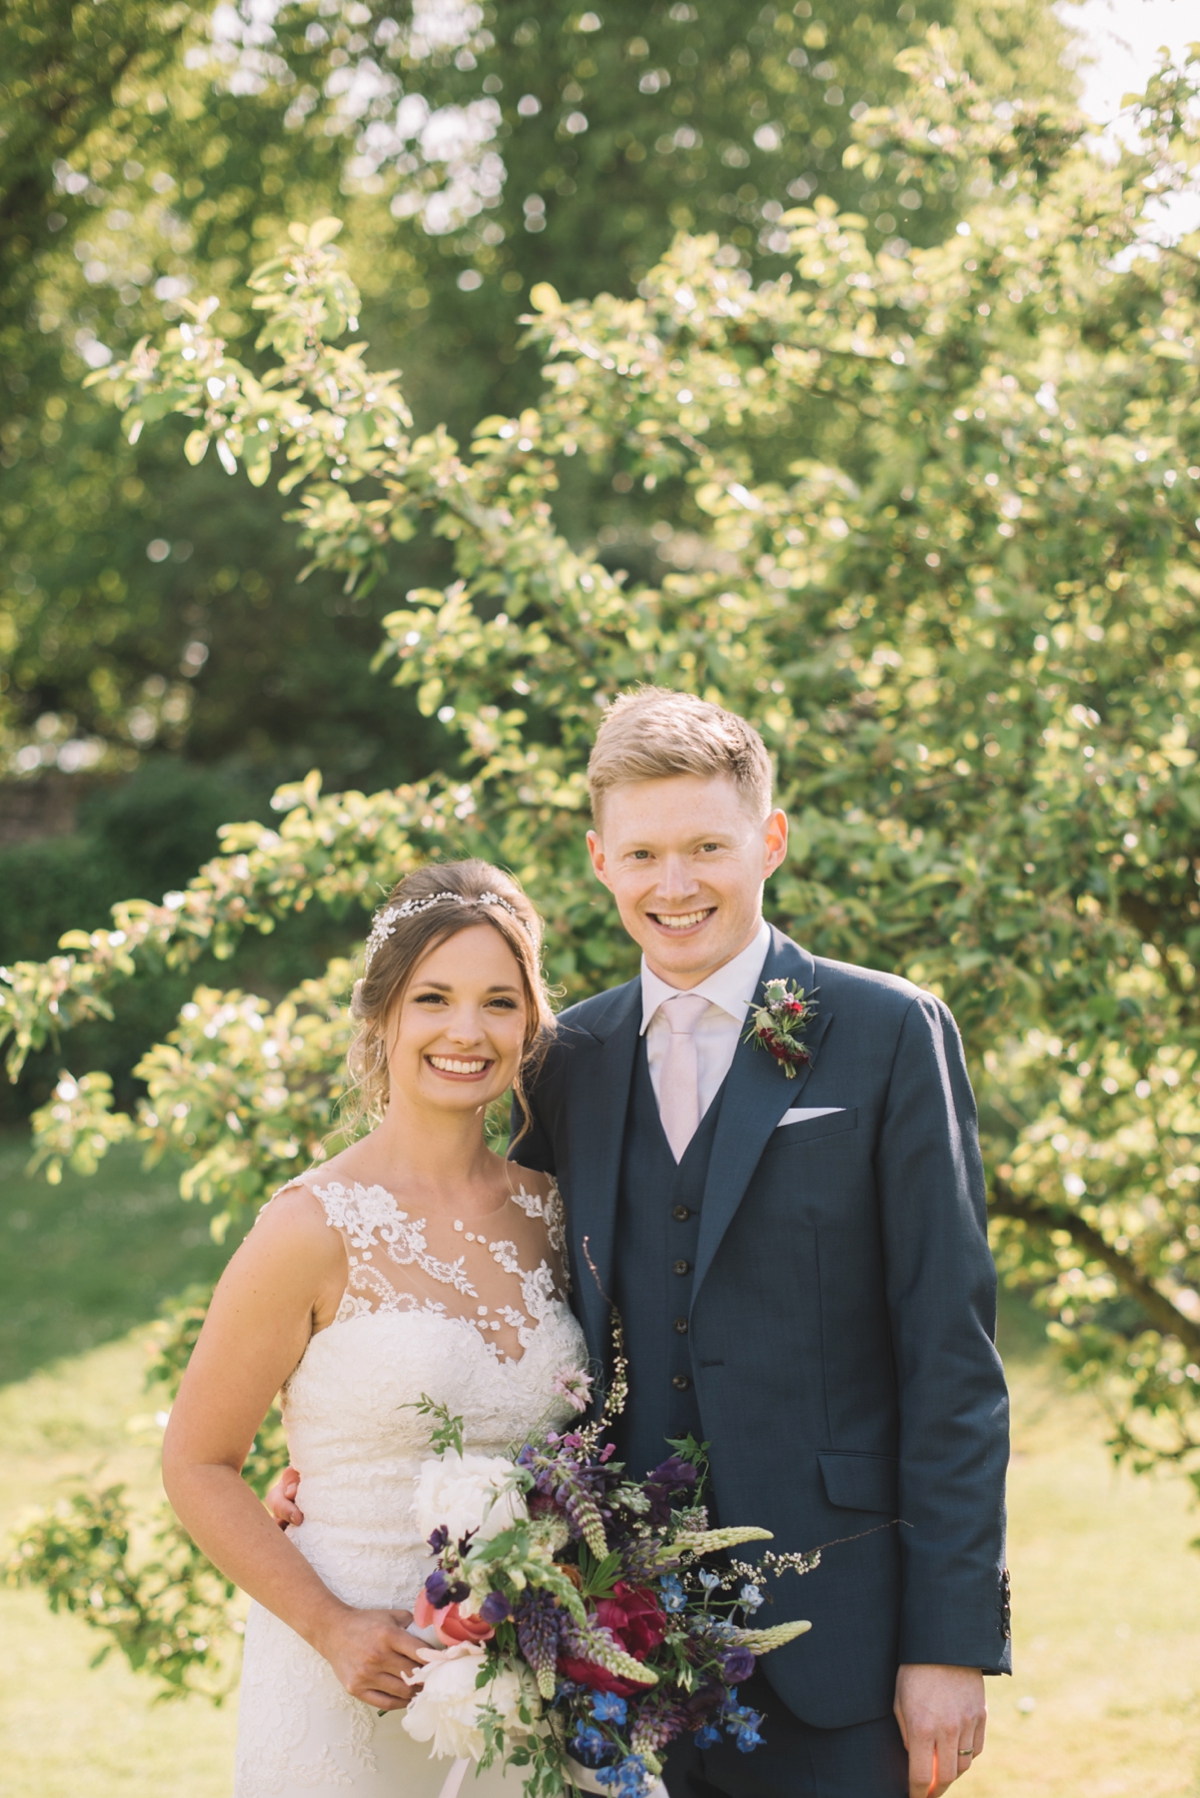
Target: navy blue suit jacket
column 842, row 1319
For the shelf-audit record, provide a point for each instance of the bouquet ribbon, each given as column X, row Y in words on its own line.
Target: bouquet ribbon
column 453, row 1781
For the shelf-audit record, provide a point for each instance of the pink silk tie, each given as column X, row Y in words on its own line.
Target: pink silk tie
column 679, row 1076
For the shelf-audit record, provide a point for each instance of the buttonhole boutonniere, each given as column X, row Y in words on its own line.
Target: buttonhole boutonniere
column 778, row 1024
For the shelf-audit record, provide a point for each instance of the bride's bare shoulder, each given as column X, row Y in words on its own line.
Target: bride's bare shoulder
column 294, row 1218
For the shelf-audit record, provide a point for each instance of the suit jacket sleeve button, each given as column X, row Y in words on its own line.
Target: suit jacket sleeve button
column 681, row 1382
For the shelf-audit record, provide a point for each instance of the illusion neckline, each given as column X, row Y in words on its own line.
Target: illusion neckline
column 463, row 1324
column 458, row 1224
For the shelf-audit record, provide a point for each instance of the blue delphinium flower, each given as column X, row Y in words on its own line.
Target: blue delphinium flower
column 592, row 1748
column 608, row 1707
column 751, row 1597
column 710, row 1581
column 708, row 1737
column 742, row 1724
column 672, row 1591
column 630, row 1780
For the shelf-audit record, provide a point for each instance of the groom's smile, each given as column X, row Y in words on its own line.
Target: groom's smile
column 684, row 921
column 685, row 859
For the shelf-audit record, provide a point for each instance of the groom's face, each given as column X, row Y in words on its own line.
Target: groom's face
column 686, row 862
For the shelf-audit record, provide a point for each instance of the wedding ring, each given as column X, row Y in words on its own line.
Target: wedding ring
column 966, row 1751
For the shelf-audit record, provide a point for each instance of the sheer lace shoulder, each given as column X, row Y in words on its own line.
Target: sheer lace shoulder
column 497, row 1276
column 546, row 1206
column 369, row 1214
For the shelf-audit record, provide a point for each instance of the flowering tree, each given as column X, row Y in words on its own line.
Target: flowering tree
column 932, row 521
column 151, row 150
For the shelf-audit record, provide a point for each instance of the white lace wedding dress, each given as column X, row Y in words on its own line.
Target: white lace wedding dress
column 477, row 1319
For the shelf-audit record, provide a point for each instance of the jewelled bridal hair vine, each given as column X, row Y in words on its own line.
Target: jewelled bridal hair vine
column 387, row 919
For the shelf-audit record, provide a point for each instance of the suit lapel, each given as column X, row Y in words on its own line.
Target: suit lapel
column 756, row 1095
column 596, row 1113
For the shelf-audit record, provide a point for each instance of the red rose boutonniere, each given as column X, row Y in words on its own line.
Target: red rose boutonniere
column 777, row 1024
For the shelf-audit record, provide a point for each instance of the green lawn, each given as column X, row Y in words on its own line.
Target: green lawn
column 1106, row 1699
column 82, row 1263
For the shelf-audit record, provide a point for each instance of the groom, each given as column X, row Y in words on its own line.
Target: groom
column 801, row 1266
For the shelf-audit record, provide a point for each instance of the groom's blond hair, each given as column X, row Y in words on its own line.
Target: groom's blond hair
column 652, row 733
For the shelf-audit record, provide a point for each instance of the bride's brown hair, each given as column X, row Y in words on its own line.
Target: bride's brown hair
column 427, row 908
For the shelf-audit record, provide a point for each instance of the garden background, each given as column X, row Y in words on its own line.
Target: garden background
column 839, row 369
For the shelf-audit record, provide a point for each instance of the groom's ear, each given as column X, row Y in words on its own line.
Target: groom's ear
column 775, row 842
column 596, row 851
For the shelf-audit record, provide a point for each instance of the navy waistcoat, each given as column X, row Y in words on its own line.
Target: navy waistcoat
column 658, row 1229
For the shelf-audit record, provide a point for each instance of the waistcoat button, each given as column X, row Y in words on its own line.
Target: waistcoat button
column 681, row 1267
column 681, row 1214
column 681, row 1382
column 681, row 1325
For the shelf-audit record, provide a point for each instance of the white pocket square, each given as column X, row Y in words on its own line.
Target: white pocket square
column 800, row 1114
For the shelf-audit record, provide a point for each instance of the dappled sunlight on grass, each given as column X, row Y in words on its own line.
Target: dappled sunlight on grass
column 66, row 1730
column 1106, row 1614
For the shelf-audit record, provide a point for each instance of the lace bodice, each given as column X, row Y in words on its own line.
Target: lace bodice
column 499, row 1274
column 474, row 1317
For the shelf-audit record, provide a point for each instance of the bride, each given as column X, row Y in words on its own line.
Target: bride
column 406, row 1266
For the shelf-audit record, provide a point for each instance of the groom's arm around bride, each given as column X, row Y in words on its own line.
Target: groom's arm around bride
column 800, row 1258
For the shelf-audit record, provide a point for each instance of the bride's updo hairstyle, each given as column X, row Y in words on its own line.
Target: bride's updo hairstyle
column 426, row 909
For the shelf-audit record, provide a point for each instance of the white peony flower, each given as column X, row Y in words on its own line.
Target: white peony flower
column 467, row 1492
column 445, row 1712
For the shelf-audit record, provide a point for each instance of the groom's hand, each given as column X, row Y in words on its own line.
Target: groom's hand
column 942, row 1715
column 280, row 1500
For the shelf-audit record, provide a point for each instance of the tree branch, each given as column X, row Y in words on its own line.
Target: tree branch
column 1158, row 1307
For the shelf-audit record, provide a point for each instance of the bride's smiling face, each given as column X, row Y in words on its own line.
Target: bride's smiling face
column 457, row 1034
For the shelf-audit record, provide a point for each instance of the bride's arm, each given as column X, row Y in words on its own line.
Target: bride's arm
column 287, row 1276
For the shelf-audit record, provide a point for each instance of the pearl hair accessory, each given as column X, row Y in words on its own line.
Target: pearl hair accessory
column 386, row 920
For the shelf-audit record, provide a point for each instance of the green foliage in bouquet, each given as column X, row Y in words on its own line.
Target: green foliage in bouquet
column 966, row 629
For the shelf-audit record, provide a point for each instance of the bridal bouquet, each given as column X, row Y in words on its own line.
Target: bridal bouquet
column 577, row 1620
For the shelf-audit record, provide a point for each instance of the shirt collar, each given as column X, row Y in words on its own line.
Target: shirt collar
column 730, row 987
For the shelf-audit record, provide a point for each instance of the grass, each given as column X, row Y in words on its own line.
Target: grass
column 1106, row 1609
column 82, row 1263
column 1106, row 1592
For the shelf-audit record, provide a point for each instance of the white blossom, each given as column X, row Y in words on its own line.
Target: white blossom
column 467, row 1492
column 445, row 1712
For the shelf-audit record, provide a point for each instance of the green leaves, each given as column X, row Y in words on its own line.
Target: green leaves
column 929, row 520
column 447, row 1434
column 168, row 1612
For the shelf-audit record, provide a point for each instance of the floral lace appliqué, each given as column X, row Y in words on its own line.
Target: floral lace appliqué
column 551, row 1212
column 381, row 1239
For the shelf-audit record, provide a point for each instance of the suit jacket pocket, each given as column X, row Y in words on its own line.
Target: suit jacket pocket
column 799, row 1136
column 861, row 1482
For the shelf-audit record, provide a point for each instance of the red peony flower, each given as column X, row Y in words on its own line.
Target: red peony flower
column 590, row 1673
column 633, row 1615
column 637, row 1624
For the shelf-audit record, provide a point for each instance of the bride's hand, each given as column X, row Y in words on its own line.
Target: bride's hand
column 280, row 1500
column 371, row 1652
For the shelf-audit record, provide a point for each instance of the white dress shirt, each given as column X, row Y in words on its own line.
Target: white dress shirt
column 729, row 992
